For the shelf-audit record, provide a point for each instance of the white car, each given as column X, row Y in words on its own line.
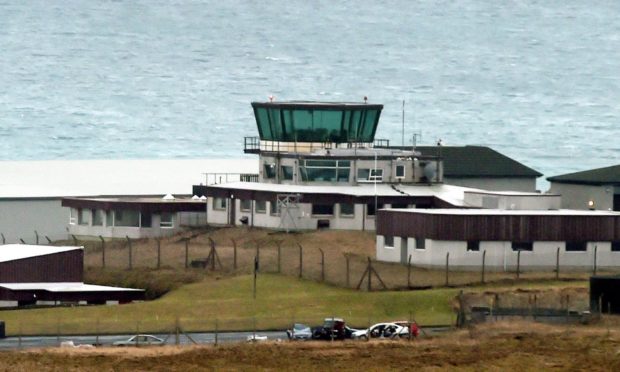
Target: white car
column 140, row 340
column 382, row 330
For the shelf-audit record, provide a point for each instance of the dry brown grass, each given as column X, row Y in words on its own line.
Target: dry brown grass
column 357, row 245
column 520, row 346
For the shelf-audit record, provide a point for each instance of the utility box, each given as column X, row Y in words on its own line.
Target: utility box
column 605, row 294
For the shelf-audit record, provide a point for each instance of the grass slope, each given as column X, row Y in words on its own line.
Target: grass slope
column 280, row 301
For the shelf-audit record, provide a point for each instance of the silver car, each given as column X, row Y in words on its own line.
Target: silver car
column 140, row 340
column 299, row 332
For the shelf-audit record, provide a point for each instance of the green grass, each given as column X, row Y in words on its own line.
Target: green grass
column 280, row 301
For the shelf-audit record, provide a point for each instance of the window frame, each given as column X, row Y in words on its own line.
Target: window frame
column 522, row 246
column 388, row 241
column 217, row 201
column 396, row 168
column 473, row 246
column 420, row 243
column 165, row 224
column 322, row 205
column 346, row 215
column 241, row 205
column 257, row 206
column 576, row 246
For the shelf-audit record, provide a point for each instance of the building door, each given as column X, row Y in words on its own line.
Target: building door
column 403, row 250
column 231, row 211
column 616, row 202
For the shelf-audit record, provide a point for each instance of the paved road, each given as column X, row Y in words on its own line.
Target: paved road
column 200, row 338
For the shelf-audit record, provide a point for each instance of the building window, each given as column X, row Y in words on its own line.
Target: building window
column 270, row 170
column 522, row 246
column 473, row 245
column 388, row 241
column 323, row 209
column 370, row 208
column 287, row 172
column 399, row 206
column 370, row 175
column 260, row 206
column 420, row 243
column 347, row 210
column 97, row 217
column 109, row 218
column 615, row 246
column 325, row 170
column 576, row 246
column 400, row 171
column 145, row 220
column 246, row 205
column 127, row 218
column 72, row 216
column 273, row 208
column 219, row 203
column 82, row 217
column 165, row 220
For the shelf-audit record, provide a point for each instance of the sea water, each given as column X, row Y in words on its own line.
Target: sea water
column 536, row 80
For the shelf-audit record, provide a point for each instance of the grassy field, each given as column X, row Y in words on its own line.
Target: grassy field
column 280, row 301
column 497, row 347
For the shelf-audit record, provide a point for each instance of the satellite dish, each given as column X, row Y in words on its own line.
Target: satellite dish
column 430, row 171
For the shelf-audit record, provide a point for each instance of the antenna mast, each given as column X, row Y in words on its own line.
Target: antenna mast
column 403, row 132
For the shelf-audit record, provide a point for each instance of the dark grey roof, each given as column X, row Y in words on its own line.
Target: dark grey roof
column 477, row 161
column 598, row 176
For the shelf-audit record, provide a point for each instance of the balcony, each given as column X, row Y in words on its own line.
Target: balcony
column 253, row 145
column 221, row 178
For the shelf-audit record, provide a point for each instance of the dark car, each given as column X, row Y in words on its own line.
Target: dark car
column 332, row 329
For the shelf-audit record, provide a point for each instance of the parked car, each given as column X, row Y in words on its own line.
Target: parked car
column 299, row 332
column 140, row 340
column 333, row 328
column 384, row 330
column 256, row 338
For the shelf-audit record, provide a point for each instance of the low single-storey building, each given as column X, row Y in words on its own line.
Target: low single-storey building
column 50, row 275
column 595, row 189
column 133, row 217
column 584, row 238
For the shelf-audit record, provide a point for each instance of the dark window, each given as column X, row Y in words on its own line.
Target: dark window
column 287, row 172
column 347, row 209
column 219, row 203
column 273, row 207
column 400, row 171
column 145, row 220
column 370, row 208
column 323, row 209
column 260, row 206
column 97, row 217
column 522, row 246
column 576, row 246
column 388, row 241
column 270, row 170
column 399, row 206
column 473, row 245
column 615, row 246
column 246, row 205
column 420, row 243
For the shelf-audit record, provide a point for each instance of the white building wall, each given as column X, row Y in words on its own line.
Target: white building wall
column 577, row 196
column 526, row 184
column 500, row 256
column 88, row 230
column 19, row 218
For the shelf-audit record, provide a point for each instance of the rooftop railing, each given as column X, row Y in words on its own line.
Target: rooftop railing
column 253, row 145
column 220, row 178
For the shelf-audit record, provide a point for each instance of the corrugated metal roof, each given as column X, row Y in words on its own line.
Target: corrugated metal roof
column 508, row 212
column 63, row 287
column 12, row 252
column 599, row 176
column 67, row 178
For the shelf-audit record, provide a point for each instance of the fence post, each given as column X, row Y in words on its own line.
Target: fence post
column 322, row 265
column 3, row 239
column 595, row 252
column 518, row 263
column 258, row 253
column 301, row 260
column 102, row 251
column 97, row 333
column 279, row 244
column 130, row 252
column 216, row 331
column 369, row 275
column 75, row 241
column 158, row 252
column 346, row 258
column 177, row 329
column 36, row 237
column 557, row 263
column 49, row 241
column 255, row 273
column 187, row 253
column 447, row 268
column 409, row 274
column 234, row 254
column 484, row 257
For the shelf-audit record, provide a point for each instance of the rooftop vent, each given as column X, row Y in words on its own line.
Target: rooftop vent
column 168, row 197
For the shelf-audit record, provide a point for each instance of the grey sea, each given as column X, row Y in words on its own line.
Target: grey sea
column 536, row 80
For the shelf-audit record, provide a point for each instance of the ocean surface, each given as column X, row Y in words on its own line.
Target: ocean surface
column 536, row 80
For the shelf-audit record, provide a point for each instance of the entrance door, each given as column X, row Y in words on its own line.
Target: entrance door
column 231, row 211
column 403, row 250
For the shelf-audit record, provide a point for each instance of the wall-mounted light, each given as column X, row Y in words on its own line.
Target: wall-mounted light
column 591, row 204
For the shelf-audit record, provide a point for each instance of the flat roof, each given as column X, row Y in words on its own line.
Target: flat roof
column 449, row 193
column 507, row 212
column 12, row 252
column 317, row 105
column 64, row 287
column 73, row 178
